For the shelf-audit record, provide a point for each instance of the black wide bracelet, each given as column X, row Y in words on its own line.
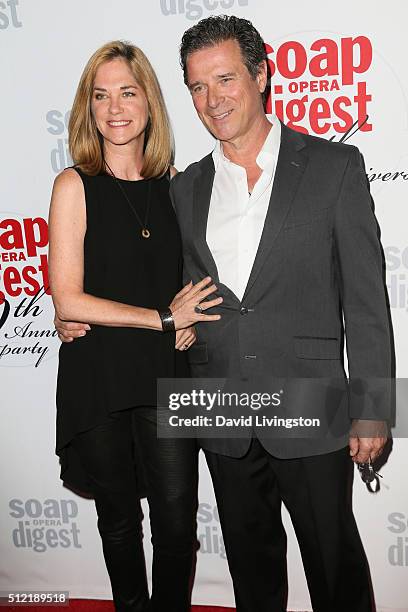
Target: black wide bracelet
column 167, row 321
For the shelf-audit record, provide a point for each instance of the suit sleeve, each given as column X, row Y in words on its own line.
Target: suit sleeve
column 174, row 201
column 172, row 185
column 359, row 260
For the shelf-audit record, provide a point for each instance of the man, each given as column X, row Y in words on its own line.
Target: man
column 283, row 224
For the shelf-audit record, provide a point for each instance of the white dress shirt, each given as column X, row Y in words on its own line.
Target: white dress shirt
column 236, row 218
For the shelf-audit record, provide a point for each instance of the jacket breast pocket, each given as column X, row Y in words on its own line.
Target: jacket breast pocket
column 311, row 347
column 309, row 229
column 197, row 354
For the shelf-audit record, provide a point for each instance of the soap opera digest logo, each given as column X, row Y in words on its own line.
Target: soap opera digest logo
column 209, row 531
column 332, row 86
column 320, row 85
column 194, row 9
column 8, row 15
column 57, row 125
column 44, row 525
column 396, row 264
column 25, row 336
column 398, row 552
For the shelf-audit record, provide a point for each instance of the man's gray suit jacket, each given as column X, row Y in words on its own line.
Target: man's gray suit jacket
column 317, row 280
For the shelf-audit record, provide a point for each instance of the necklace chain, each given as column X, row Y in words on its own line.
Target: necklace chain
column 145, row 232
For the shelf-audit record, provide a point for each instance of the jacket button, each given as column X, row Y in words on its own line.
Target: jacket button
column 244, row 310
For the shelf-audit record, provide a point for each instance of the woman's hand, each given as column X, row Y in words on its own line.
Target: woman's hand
column 188, row 306
column 67, row 332
column 185, row 338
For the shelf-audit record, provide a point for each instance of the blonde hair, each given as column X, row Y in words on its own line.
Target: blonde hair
column 85, row 141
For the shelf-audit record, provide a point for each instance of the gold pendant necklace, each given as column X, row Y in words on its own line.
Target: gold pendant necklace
column 145, row 232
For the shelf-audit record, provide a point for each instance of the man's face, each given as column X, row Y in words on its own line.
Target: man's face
column 226, row 97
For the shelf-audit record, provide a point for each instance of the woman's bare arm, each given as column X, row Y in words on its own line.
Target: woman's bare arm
column 67, row 227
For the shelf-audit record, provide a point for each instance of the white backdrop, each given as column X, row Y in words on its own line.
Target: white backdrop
column 48, row 536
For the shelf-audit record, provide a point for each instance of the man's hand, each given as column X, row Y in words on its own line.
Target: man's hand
column 185, row 338
column 67, row 332
column 367, row 440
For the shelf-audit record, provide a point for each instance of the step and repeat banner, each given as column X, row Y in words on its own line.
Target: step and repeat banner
column 339, row 72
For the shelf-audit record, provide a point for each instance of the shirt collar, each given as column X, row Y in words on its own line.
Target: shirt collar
column 267, row 156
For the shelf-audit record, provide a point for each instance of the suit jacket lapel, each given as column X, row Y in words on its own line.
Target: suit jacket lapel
column 202, row 196
column 289, row 170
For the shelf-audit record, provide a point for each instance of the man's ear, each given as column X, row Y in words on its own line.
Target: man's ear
column 262, row 76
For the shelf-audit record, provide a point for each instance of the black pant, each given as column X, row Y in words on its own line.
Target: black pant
column 170, row 466
column 317, row 493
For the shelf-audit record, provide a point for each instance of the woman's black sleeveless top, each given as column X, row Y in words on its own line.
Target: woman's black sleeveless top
column 116, row 368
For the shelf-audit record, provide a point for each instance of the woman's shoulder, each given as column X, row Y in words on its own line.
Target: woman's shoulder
column 69, row 178
column 68, row 189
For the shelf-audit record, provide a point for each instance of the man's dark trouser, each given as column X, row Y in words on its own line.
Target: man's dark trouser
column 317, row 493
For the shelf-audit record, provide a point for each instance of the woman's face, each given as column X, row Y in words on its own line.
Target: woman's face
column 119, row 104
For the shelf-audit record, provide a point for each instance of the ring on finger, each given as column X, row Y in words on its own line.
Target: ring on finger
column 198, row 309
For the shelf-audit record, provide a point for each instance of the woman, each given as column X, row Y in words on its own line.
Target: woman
column 115, row 262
